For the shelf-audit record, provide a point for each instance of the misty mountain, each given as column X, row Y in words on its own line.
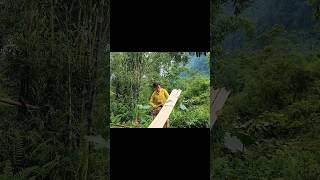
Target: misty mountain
column 292, row 14
column 198, row 64
column 295, row 16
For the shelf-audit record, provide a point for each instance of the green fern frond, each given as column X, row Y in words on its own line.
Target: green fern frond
column 18, row 154
column 27, row 173
column 7, row 171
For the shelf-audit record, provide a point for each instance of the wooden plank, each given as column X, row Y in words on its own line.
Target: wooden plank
column 214, row 93
column 162, row 118
column 119, row 125
column 16, row 103
column 218, row 99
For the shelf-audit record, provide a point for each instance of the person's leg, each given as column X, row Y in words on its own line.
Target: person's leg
column 155, row 112
column 158, row 110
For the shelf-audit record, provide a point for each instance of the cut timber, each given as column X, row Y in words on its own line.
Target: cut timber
column 119, row 126
column 218, row 98
column 15, row 103
column 161, row 120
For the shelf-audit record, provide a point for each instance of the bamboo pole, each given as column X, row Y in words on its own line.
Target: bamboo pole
column 16, row 103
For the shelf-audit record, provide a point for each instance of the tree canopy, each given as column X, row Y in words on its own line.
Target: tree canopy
column 132, row 76
column 269, row 124
column 53, row 56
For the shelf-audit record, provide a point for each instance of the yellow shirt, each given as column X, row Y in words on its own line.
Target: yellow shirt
column 158, row 99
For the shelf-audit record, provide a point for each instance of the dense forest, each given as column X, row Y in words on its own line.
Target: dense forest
column 132, row 76
column 53, row 103
column 269, row 127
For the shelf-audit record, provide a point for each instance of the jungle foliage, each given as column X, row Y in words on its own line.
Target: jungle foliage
column 270, row 123
column 132, row 76
column 54, row 55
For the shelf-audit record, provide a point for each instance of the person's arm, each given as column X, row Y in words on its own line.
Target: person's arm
column 151, row 101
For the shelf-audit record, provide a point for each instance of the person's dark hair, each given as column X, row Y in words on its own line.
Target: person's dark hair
column 155, row 84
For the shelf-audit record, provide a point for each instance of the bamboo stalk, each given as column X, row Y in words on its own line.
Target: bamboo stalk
column 16, row 103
